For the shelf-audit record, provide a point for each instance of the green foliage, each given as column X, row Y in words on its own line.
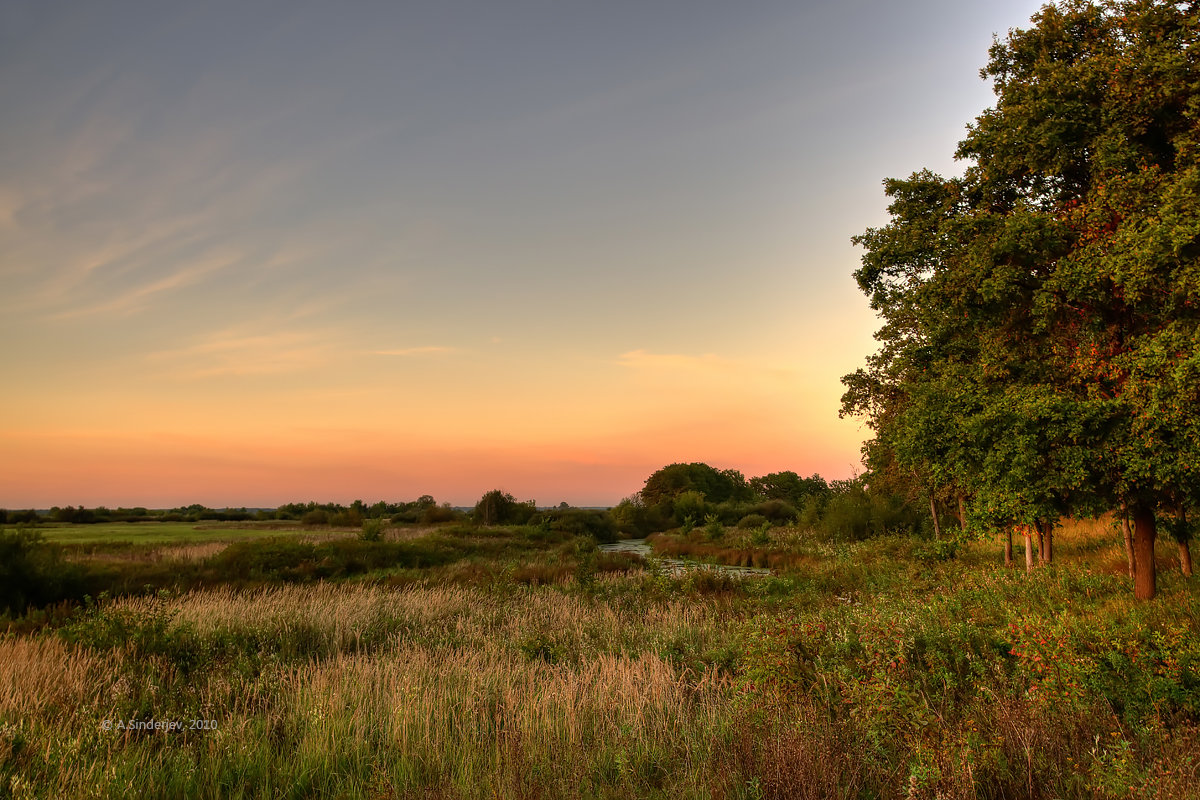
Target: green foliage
column 372, row 530
column 434, row 514
column 937, row 549
column 788, row 487
column 713, row 485
column 318, row 516
column 781, row 512
column 291, row 561
column 753, row 521
column 690, row 504
column 1041, row 338
column 597, row 524
column 33, row 574
column 713, row 526
column 500, row 508
column 633, row 516
column 586, row 554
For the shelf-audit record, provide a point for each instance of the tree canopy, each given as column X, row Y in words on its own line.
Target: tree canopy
column 1040, row 345
column 716, row 486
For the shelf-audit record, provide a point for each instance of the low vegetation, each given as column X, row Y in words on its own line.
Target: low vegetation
column 468, row 661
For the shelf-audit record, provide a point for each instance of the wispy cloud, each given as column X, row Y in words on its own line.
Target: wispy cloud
column 234, row 353
column 134, row 298
column 428, row 350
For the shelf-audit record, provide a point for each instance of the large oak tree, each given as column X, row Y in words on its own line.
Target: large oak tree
column 1041, row 337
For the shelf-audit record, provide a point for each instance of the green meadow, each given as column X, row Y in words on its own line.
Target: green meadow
column 470, row 661
column 160, row 533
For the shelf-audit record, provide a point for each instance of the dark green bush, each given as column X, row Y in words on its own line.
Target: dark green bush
column 372, row 530
column 318, row 516
column 350, row 518
column 444, row 513
column 32, row 574
column 634, row 517
column 779, row 512
column 289, row 560
column 501, row 508
column 596, row 523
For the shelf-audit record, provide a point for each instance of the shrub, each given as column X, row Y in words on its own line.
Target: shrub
column 713, row 526
column 753, row 521
column 779, row 512
column 633, row 516
column 443, row 513
column 372, row 530
column 586, row 553
column 349, row 518
column 32, row 574
column 690, row 504
column 318, row 516
column 596, row 523
column 501, row 508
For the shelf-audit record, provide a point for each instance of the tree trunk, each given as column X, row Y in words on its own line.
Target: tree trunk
column 1185, row 558
column 1008, row 559
column 1144, row 532
column 1046, row 540
column 1028, row 532
column 937, row 529
column 1128, row 541
column 962, row 514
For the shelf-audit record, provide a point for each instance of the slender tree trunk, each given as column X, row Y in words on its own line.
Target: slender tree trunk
column 1046, row 541
column 962, row 513
column 1028, row 532
column 1129, row 556
column 937, row 529
column 1008, row 559
column 1185, row 558
column 1144, row 532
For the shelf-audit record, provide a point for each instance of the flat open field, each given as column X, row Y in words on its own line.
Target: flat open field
column 464, row 662
column 159, row 533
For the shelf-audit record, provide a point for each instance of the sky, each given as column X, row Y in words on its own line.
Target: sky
column 255, row 253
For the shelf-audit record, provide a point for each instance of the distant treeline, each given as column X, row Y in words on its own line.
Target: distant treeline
column 681, row 495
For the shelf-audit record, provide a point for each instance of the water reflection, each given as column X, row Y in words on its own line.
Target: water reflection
column 676, row 566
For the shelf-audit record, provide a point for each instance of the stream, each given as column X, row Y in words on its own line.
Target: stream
column 677, row 565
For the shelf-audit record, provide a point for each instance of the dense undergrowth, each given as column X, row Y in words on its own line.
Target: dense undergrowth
column 521, row 662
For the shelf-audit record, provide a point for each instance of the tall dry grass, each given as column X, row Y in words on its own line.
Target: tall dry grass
column 469, row 695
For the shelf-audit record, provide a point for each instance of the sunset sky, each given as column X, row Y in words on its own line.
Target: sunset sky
column 255, row 253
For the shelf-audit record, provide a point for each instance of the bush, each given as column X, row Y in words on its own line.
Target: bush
column 32, row 574
column 779, row 512
column 444, row 513
column 752, row 521
column 372, row 530
column 690, row 505
column 501, row 508
column 595, row 523
column 318, row 516
column 350, row 518
column 713, row 526
column 293, row 561
column 633, row 516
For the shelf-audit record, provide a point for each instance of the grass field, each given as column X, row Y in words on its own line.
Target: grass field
column 516, row 663
column 162, row 533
